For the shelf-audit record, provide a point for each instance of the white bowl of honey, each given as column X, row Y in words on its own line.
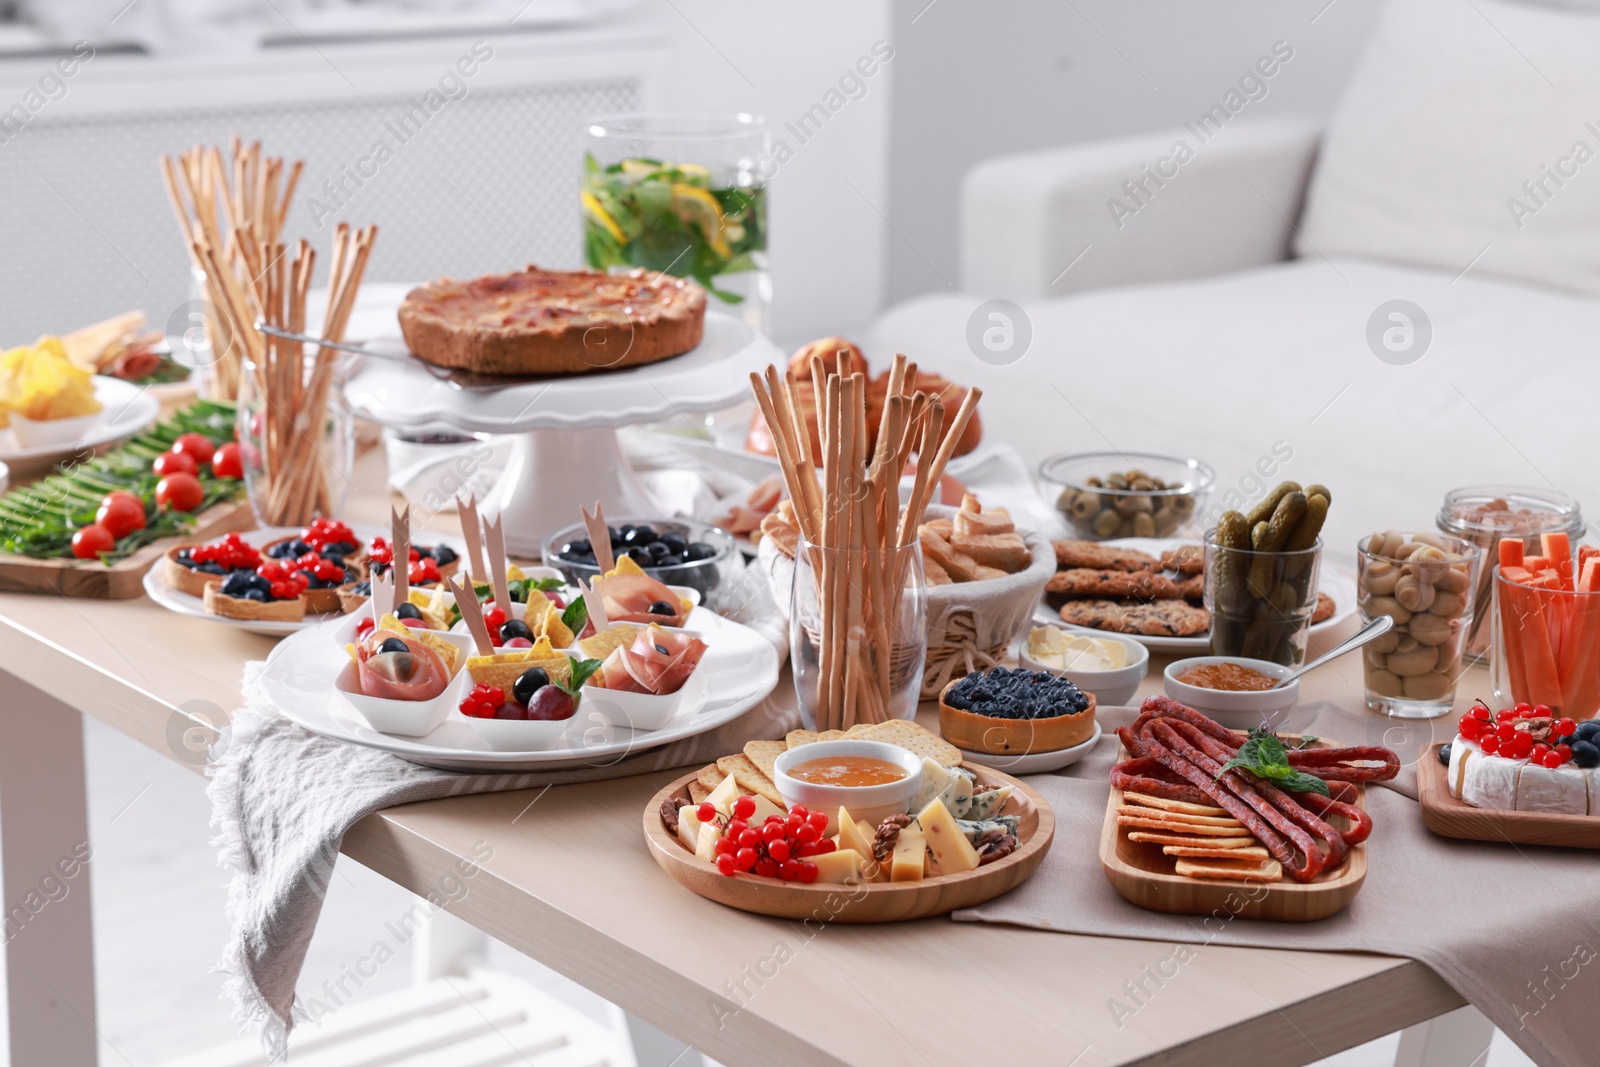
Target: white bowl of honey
column 873, row 779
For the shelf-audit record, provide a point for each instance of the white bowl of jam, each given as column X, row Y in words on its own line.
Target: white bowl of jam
column 873, row 779
column 1235, row 691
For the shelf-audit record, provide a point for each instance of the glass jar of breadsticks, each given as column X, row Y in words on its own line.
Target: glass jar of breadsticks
column 858, row 611
column 296, row 432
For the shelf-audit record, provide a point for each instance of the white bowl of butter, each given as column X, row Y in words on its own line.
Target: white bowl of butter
column 1110, row 666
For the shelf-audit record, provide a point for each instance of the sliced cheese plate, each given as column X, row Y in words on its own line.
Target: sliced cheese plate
column 1447, row 816
column 867, row 902
column 1145, row 876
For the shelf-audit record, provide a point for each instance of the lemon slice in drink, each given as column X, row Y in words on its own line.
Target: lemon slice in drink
column 592, row 206
column 698, row 207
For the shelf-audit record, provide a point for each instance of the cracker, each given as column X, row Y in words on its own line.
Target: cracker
column 1164, row 804
column 830, row 735
column 1174, row 827
column 750, row 777
column 710, row 777
column 1148, row 837
column 796, row 738
column 859, row 729
column 1270, row 871
column 1180, row 817
column 1203, row 852
column 698, row 792
column 764, row 754
column 913, row 738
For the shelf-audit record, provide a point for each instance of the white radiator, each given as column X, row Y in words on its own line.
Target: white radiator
column 481, row 177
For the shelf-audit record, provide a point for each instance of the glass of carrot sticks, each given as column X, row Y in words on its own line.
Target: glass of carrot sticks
column 1547, row 626
column 295, row 431
column 858, row 614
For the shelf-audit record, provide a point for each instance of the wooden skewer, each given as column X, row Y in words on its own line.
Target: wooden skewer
column 495, row 538
column 400, row 559
column 599, row 538
column 466, row 599
column 472, row 533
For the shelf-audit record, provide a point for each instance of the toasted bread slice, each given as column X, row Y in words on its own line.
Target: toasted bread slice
column 1003, row 551
column 958, row 565
column 933, row 573
column 970, row 505
column 943, row 527
column 970, row 524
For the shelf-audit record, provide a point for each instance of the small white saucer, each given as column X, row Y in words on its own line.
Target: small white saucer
column 1034, row 762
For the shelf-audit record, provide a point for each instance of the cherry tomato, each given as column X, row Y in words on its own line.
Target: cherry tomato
column 174, row 462
column 92, row 540
column 120, row 513
column 197, row 446
column 227, row 462
column 179, row 492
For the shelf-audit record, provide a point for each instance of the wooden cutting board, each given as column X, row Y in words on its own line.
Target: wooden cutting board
column 1449, row 817
column 123, row 579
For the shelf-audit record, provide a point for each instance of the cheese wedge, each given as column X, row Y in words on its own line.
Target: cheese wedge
column 706, row 847
column 841, row 866
column 945, row 840
column 689, row 827
column 857, row 834
column 764, row 808
column 722, row 797
column 910, row 856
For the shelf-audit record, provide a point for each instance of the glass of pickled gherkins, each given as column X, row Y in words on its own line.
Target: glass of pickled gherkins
column 1262, row 572
column 1103, row 495
column 685, row 194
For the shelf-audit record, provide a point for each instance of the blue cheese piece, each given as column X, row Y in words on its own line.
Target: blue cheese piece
column 957, row 795
column 974, row 829
column 1491, row 782
column 987, row 804
column 1461, row 751
column 935, row 779
column 1558, row 791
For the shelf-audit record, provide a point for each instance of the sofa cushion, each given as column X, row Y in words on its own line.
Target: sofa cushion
column 1468, row 134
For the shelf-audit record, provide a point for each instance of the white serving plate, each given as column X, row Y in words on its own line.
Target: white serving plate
column 127, row 409
column 740, row 666
column 1034, row 762
column 193, row 606
column 1339, row 586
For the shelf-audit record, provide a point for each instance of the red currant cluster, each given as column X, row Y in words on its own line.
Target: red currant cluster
column 323, row 569
column 483, row 701
column 324, row 532
column 365, row 626
column 286, row 582
column 231, row 552
column 1509, row 732
column 382, row 552
column 777, row 848
column 423, row 570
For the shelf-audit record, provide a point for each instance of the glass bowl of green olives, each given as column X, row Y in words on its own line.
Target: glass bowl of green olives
column 1103, row 495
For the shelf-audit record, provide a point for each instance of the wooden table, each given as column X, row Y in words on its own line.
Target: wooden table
column 570, row 883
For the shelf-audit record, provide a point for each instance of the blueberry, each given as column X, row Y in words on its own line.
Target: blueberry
column 212, row 568
column 1444, row 755
column 444, row 555
column 1586, row 754
column 1588, row 730
column 260, row 583
column 362, row 589
column 237, row 583
column 333, row 554
column 697, row 551
column 254, row 594
column 528, row 683
column 515, row 628
column 393, row 644
column 661, row 607
column 407, row 611
column 341, row 548
column 675, row 543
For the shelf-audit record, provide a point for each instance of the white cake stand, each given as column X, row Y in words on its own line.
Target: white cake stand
column 565, row 454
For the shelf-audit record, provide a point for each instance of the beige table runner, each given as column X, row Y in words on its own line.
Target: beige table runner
column 1514, row 929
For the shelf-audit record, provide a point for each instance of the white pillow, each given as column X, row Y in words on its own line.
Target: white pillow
column 1455, row 105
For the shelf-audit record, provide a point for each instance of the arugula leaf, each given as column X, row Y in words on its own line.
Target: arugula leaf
column 581, row 670
column 1264, row 756
column 576, row 615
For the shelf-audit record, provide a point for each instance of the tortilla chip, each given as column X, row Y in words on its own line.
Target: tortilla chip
column 1164, row 804
column 602, row 644
column 764, row 754
column 432, row 605
column 504, row 668
column 750, row 777
column 552, row 626
column 624, row 565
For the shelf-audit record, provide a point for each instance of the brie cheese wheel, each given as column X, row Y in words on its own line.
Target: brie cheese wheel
column 1591, row 776
column 1560, row 791
column 1461, row 750
column 1491, row 782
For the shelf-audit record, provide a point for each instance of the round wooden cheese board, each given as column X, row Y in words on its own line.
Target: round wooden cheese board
column 868, row 902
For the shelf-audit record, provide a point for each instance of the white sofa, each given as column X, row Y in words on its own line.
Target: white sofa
column 1225, row 319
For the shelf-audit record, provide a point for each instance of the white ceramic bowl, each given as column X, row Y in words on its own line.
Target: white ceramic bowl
column 1111, row 689
column 1235, row 710
column 873, row 803
column 32, row 434
column 523, row 735
column 407, row 718
column 644, row 711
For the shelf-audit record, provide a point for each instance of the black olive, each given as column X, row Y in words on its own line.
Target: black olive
column 675, row 543
column 658, row 551
column 528, row 683
column 515, row 628
column 697, row 551
column 640, row 555
column 393, row 644
column 407, row 611
column 661, row 607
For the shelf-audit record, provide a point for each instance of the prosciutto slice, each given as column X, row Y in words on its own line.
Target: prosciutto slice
column 658, row 662
column 627, row 598
column 416, row 674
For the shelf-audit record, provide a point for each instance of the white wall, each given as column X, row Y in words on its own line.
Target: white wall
column 973, row 80
column 828, row 240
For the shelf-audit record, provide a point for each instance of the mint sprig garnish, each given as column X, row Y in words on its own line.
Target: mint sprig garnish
column 1264, row 756
column 581, row 670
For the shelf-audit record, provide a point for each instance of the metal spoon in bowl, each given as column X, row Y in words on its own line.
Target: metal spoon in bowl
column 1371, row 631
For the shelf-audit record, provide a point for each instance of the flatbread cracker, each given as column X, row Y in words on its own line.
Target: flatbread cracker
column 1164, row 804
column 1180, row 817
column 698, row 792
column 913, row 738
column 710, row 777
column 1148, row 837
column 1203, row 852
column 796, row 738
column 1270, row 871
column 1199, row 829
column 764, row 754
column 750, row 777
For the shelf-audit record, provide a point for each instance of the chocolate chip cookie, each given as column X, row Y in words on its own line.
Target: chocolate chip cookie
column 1101, row 557
column 1160, row 618
column 1093, row 582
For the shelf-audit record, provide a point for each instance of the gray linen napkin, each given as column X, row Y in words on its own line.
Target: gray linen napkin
column 1514, row 929
column 283, row 797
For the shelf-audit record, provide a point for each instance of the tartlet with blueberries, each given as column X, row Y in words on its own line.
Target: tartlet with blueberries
column 1008, row 711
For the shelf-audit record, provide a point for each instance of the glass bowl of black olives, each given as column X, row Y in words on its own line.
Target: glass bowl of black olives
column 674, row 551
